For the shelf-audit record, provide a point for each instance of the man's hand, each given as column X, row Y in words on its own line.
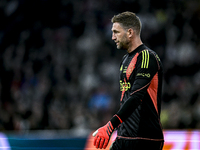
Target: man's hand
column 102, row 135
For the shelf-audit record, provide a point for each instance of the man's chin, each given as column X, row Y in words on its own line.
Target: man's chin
column 118, row 47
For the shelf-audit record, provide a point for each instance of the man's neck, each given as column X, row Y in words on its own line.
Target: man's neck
column 134, row 44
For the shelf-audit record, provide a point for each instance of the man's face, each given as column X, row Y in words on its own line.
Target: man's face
column 119, row 36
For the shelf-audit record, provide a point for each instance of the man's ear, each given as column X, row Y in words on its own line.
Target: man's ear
column 130, row 32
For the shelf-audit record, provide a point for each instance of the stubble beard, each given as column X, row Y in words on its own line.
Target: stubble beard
column 123, row 45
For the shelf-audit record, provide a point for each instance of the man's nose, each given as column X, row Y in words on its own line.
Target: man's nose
column 113, row 37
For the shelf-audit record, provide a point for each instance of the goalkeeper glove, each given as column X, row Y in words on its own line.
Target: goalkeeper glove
column 102, row 135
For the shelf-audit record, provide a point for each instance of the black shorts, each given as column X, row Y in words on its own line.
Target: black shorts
column 137, row 144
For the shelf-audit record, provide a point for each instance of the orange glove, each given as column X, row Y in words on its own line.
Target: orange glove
column 102, row 135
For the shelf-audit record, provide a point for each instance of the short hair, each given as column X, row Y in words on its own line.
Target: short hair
column 128, row 20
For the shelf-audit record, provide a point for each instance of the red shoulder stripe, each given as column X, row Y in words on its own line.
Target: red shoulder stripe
column 131, row 66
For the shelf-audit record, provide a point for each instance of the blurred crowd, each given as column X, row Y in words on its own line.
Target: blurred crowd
column 59, row 67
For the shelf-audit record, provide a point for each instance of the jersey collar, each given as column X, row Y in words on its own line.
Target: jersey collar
column 138, row 49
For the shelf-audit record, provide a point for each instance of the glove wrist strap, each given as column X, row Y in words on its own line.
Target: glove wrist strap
column 116, row 121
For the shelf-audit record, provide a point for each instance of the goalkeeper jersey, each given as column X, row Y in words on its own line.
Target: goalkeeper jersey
column 140, row 87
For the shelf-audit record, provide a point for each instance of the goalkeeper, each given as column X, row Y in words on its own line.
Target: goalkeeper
column 138, row 119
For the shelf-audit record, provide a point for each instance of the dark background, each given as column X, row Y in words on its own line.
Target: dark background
column 59, row 67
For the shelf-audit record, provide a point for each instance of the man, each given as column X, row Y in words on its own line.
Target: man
column 138, row 119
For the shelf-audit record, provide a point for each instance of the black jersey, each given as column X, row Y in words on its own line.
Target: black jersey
column 140, row 103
